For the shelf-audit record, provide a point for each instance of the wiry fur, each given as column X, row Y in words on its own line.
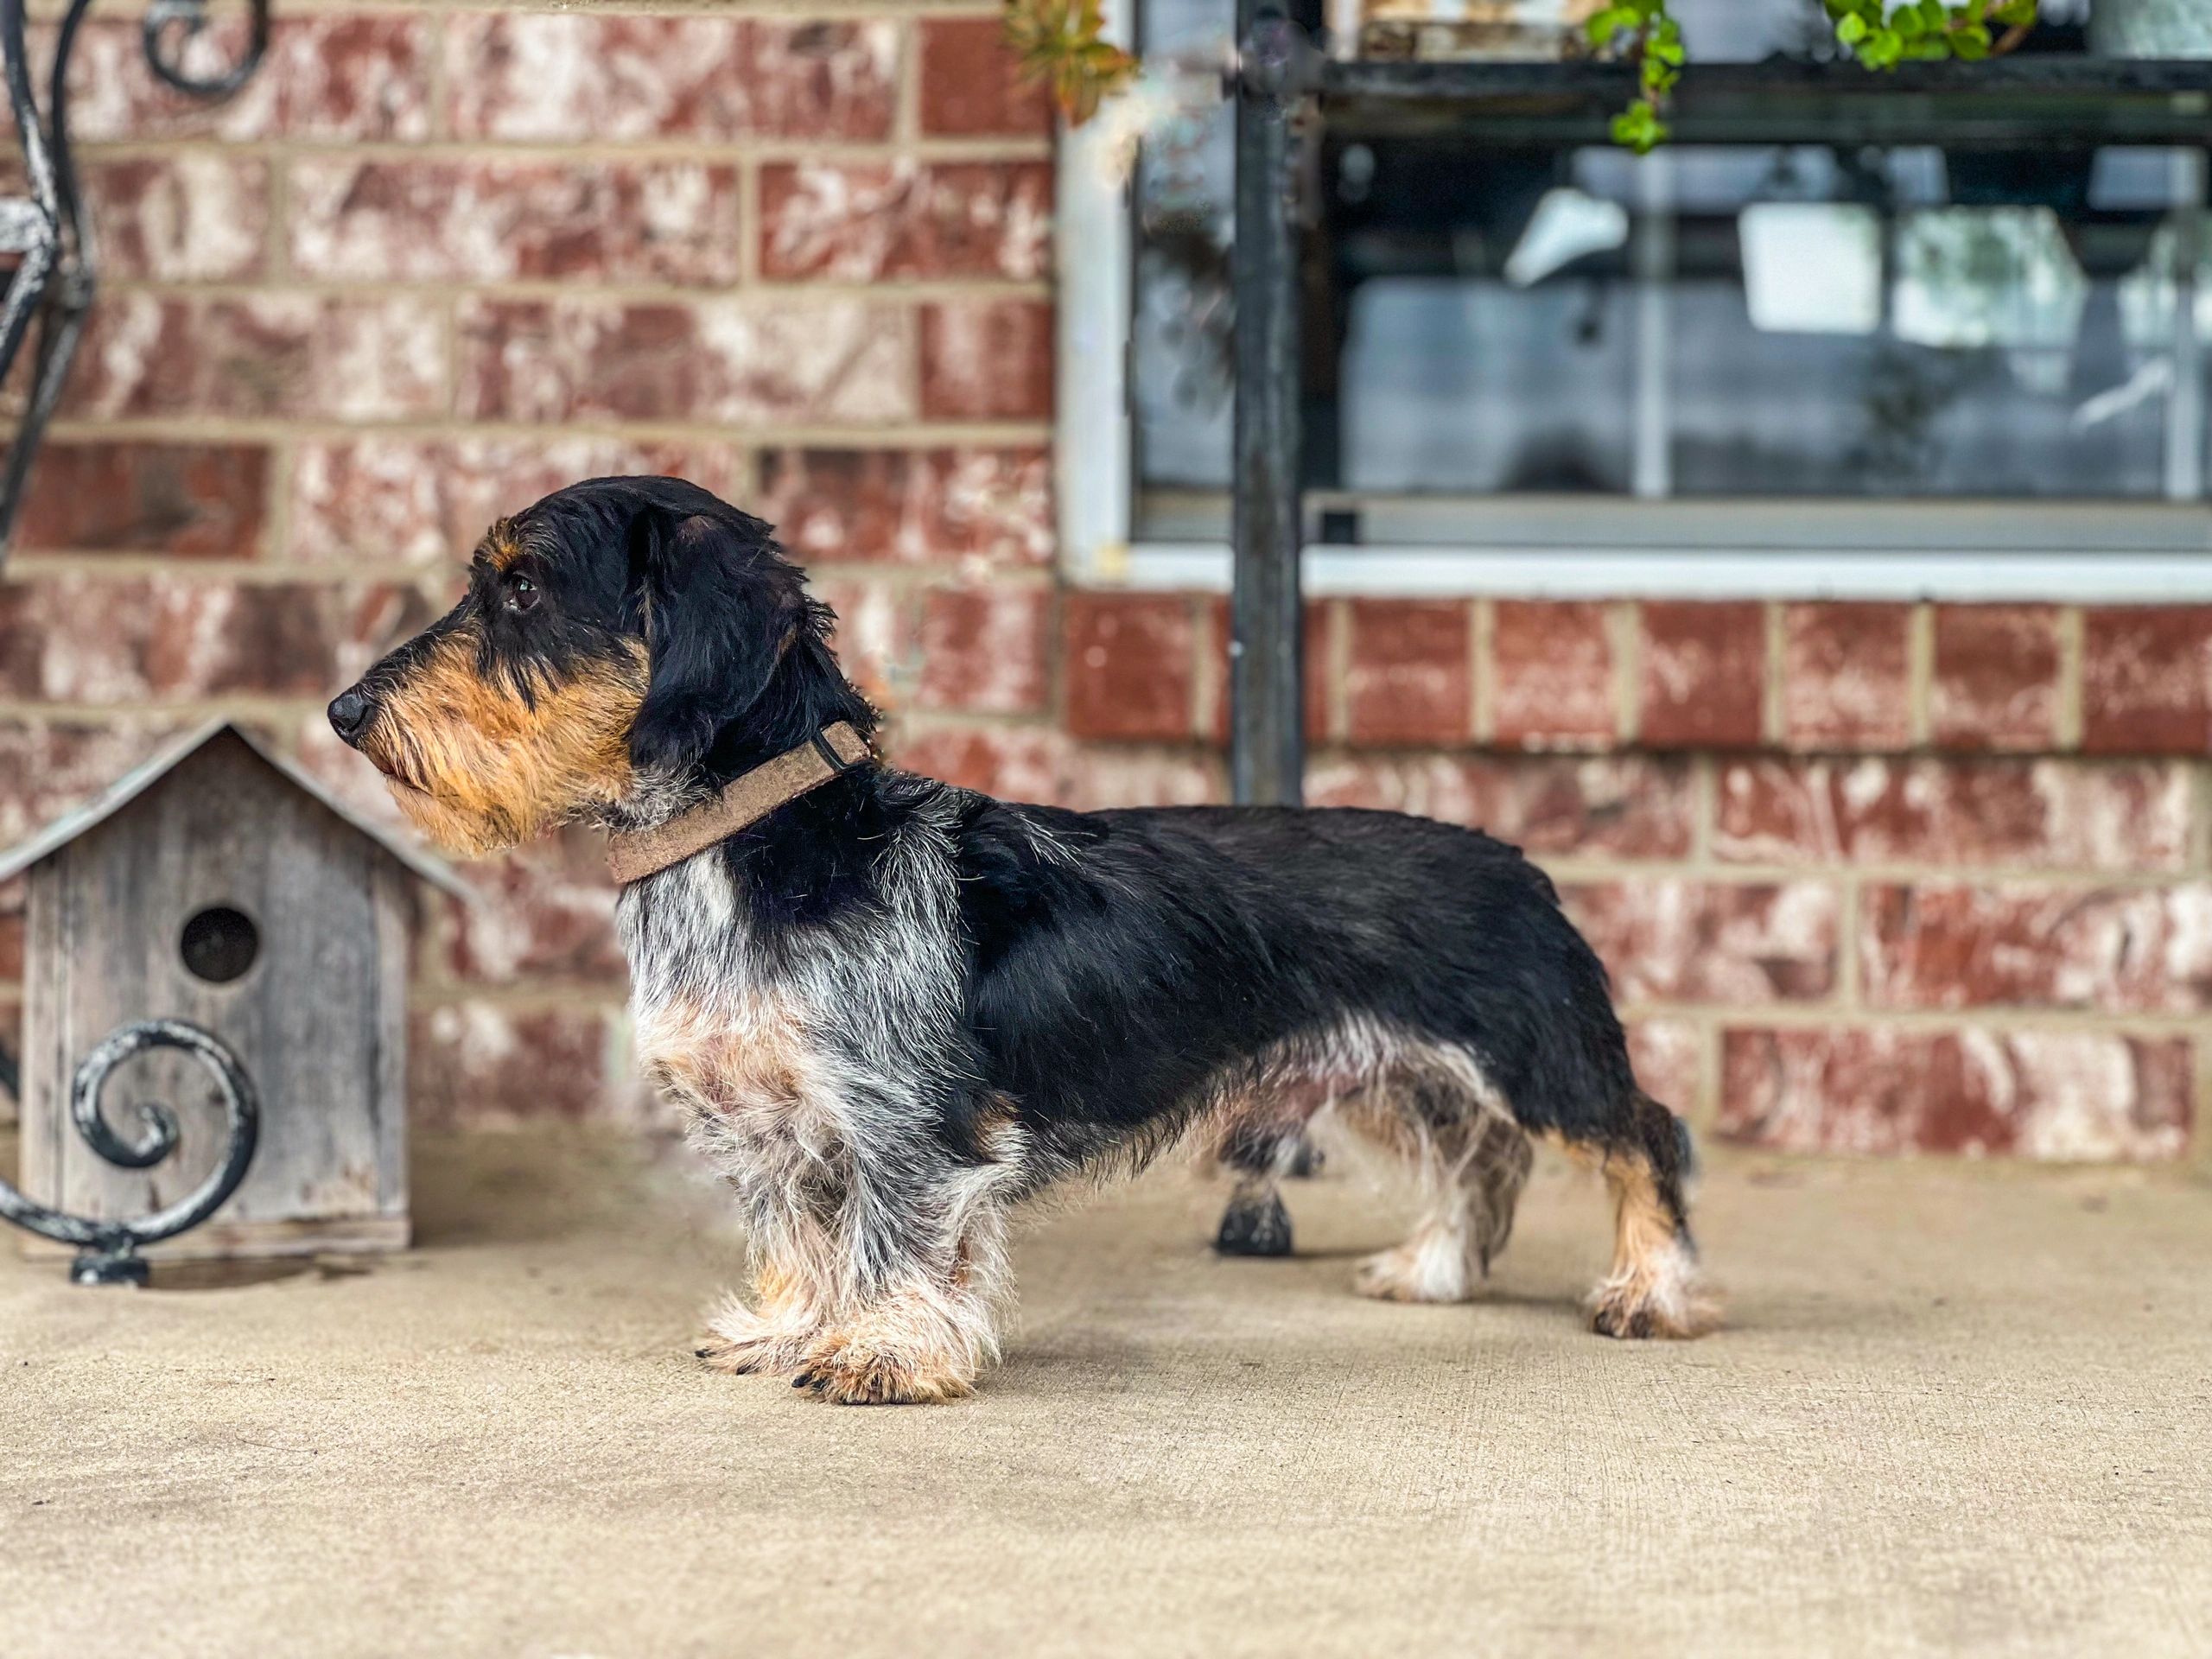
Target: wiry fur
column 893, row 1008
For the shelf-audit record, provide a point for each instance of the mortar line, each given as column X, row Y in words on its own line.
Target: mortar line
column 1920, row 675
column 1482, row 694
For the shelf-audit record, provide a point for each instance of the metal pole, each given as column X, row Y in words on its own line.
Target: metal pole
column 1267, row 646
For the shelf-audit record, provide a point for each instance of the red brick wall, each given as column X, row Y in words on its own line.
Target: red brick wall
column 1876, row 877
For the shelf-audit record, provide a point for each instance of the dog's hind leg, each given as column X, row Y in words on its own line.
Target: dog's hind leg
column 1471, row 1160
column 1255, row 1223
column 1654, row 1288
column 1261, row 1138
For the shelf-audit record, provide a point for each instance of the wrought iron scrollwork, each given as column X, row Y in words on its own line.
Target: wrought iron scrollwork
column 57, row 269
column 108, row 1252
column 178, row 22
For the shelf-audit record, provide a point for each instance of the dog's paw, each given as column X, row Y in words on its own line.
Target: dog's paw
column 1664, row 1299
column 1255, row 1228
column 759, row 1355
column 741, row 1342
column 855, row 1371
column 1424, row 1270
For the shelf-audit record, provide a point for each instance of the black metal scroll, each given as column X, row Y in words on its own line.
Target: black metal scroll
column 108, row 1250
column 57, row 270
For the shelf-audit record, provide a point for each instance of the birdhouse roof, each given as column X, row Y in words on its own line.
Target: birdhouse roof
column 135, row 782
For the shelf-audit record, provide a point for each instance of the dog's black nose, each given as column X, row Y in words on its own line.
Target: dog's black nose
column 350, row 711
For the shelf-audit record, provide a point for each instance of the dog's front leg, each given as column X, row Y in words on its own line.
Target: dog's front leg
column 928, row 1261
column 794, row 1288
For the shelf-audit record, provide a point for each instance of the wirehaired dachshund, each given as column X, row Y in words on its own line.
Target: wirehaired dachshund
column 892, row 1009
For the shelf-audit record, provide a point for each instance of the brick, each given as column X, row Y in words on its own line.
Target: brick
column 545, row 910
column 1995, row 683
column 978, row 510
column 2040, row 814
column 194, row 217
column 1704, row 674
column 1035, row 764
column 2053, row 1094
column 336, row 77
column 907, row 219
column 48, row 767
column 969, row 86
column 1321, row 617
column 1016, row 763
column 428, row 501
column 735, row 361
column 875, row 638
column 1672, row 940
column 1623, row 807
column 1408, row 672
column 186, row 500
column 986, row 649
column 2146, row 679
column 475, row 1065
column 491, row 220
column 1845, row 677
column 1552, row 675
column 1130, row 664
column 987, row 360
column 1668, row 1056
column 80, row 639
column 272, row 355
column 577, row 78
column 1961, row 945
column 1099, row 778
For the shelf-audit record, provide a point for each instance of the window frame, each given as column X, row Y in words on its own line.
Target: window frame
column 1959, row 548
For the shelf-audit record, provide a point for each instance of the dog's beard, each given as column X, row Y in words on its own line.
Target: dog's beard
column 478, row 766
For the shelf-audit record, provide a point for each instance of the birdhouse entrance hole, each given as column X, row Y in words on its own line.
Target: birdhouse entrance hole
column 219, row 944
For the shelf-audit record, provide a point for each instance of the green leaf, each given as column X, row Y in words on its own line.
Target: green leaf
column 1851, row 28
column 1609, row 22
column 1639, row 128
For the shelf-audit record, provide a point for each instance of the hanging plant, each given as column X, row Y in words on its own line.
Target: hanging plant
column 1061, row 45
column 1879, row 33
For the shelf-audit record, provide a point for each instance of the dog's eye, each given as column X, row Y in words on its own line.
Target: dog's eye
column 519, row 593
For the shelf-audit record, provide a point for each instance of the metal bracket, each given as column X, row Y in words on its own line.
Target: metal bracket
column 57, row 270
column 109, row 1249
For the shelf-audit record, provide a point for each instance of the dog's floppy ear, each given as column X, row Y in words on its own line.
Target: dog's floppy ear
column 717, row 608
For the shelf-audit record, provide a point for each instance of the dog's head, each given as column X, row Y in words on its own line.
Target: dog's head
column 622, row 642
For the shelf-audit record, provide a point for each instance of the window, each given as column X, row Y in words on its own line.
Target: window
column 1816, row 367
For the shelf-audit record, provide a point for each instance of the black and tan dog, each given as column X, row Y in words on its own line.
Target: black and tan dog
column 892, row 1009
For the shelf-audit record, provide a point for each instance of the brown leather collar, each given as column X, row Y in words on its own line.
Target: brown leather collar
column 633, row 855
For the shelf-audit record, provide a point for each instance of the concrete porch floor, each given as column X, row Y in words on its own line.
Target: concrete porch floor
column 1958, row 1410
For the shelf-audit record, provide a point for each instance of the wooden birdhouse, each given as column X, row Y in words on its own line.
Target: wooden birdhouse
column 220, row 893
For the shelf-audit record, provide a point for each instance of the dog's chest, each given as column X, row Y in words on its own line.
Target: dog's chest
column 738, row 1049
column 743, row 1057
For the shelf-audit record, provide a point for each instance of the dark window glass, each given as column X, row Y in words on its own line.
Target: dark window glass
column 1814, row 319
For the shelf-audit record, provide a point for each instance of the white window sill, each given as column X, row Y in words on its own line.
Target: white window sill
column 1554, row 572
